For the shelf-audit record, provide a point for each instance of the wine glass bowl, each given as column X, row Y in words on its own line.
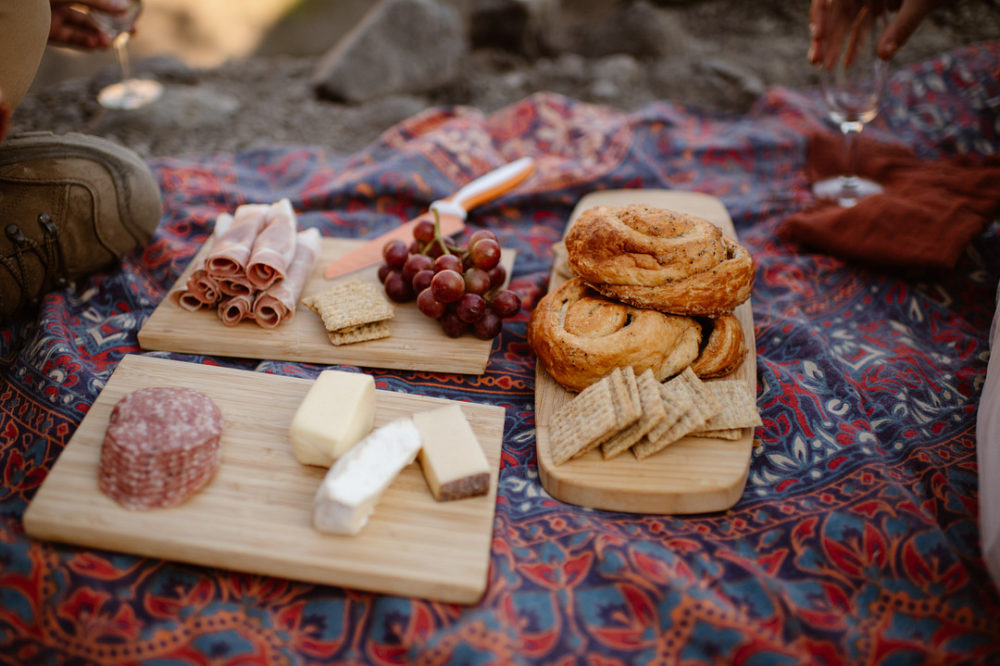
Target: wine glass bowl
column 112, row 25
column 130, row 92
column 853, row 85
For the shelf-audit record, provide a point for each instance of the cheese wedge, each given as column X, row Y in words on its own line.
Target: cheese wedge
column 352, row 486
column 337, row 411
column 453, row 462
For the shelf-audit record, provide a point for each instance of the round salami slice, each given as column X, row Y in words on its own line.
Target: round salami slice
column 161, row 446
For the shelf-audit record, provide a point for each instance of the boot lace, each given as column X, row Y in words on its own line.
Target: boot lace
column 49, row 254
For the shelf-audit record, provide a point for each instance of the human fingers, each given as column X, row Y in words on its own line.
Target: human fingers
column 831, row 24
column 817, row 31
column 108, row 6
column 840, row 27
column 856, row 36
column 911, row 13
column 73, row 28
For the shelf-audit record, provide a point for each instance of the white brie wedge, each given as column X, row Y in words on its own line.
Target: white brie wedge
column 352, row 486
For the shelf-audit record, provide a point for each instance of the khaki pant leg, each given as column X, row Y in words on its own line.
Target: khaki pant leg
column 24, row 31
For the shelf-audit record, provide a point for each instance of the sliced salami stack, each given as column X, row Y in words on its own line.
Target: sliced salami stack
column 161, row 446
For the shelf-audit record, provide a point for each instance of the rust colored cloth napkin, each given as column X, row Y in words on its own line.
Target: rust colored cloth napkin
column 924, row 218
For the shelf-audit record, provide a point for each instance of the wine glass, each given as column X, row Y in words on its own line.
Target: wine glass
column 130, row 92
column 853, row 86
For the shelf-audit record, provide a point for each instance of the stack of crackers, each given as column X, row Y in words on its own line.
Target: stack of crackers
column 622, row 412
column 352, row 311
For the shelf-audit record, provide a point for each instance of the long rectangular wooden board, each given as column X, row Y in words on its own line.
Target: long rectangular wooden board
column 255, row 515
column 416, row 343
column 693, row 475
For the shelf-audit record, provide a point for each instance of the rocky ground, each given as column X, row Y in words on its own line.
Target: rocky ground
column 718, row 54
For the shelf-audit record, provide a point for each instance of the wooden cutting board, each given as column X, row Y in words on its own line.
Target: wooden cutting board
column 255, row 515
column 694, row 475
column 416, row 343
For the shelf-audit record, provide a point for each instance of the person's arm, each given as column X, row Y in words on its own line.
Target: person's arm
column 74, row 28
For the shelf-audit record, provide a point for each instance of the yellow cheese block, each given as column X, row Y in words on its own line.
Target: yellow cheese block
column 453, row 462
column 337, row 411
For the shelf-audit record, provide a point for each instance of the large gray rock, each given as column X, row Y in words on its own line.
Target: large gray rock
column 598, row 28
column 401, row 46
column 518, row 26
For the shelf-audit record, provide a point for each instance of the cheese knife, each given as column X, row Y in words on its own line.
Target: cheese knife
column 452, row 212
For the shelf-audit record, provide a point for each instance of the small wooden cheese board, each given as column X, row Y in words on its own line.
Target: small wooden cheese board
column 416, row 342
column 255, row 515
column 693, row 475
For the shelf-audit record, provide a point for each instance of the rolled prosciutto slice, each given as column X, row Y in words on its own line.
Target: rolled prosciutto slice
column 234, row 309
column 200, row 290
column 203, row 288
column 230, row 254
column 235, row 285
column 277, row 303
column 274, row 247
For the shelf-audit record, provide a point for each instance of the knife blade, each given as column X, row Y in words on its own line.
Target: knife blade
column 452, row 212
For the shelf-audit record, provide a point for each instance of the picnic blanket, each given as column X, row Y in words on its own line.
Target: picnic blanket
column 856, row 539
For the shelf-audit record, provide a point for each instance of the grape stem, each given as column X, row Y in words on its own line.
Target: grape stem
column 439, row 238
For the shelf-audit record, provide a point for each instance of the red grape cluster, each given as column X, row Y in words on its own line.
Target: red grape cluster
column 461, row 287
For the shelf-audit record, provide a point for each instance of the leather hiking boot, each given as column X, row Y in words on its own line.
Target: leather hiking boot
column 70, row 205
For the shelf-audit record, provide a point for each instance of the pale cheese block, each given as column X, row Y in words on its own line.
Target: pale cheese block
column 452, row 460
column 351, row 488
column 337, row 411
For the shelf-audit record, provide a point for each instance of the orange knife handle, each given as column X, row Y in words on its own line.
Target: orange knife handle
column 489, row 186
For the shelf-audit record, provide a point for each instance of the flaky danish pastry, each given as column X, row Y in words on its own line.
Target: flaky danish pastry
column 660, row 259
column 581, row 336
column 724, row 349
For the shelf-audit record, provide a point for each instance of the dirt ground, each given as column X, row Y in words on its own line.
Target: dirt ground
column 255, row 88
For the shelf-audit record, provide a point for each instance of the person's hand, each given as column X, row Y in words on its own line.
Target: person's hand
column 75, row 28
column 832, row 21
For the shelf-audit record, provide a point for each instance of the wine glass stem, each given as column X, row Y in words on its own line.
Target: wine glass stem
column 120, row 45
column 851, row 131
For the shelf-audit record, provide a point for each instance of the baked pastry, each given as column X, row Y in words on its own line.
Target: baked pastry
column 581, row 336
column 723, row 350
column 560, row 261
column 660, row 259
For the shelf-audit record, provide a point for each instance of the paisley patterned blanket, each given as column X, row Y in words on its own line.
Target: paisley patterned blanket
column 855, row 541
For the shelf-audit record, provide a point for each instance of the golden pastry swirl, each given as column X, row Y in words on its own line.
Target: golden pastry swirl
column 580, row 336
column 723, row 352
column 660, row 259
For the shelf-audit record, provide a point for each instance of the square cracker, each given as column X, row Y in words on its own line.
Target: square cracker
column 373, row 331
column 652, row 413
column 677, row 400
column 627, row 399
column 591, row 416
column 732, row 433
column 704, row 405
column 348, row 304
column 739, row 405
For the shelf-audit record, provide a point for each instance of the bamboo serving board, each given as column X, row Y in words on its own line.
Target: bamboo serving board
column 416, row 343
column 255, row 515
column 693, row 475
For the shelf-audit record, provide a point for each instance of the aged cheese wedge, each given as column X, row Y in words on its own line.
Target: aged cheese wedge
column 453, row 462
column 351, row 488
column 337, row 411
